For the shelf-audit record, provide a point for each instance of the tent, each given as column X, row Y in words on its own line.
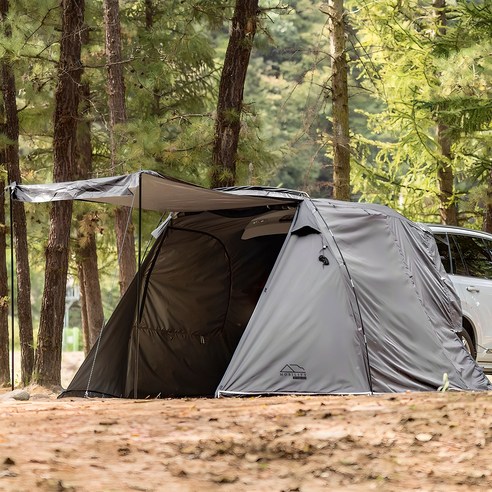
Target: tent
column 254, row 290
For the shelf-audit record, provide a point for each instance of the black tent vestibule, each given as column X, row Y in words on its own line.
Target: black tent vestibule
column 253, row 290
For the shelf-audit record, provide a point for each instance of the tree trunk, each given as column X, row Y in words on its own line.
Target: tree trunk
column 49, row 349
column 231, row 89
column 125, row 241
column 83, row 310
column 149, row 14
column 89, row 278
column 156, row 92
column 116, row 81
column 487, row 223
column 90, row 289
column 4, row 283
column 445, row 175
column 24, row 313
column 4, row 296
column 340, row 108
column 445, row 178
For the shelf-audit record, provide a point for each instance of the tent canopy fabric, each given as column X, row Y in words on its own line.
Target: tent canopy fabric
column 159, row 193
column 255, row 290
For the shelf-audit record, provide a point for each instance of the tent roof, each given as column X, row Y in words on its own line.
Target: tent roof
column 159, row 193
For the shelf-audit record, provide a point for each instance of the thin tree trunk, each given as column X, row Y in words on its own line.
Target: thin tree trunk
column 4, row 296
column 49, row 349
column 4, row 283
column 24, row 313
column 125, row 241
column 90, row 289
column 340, row 107
column 487, row 223
column 231, row 90
column 83, row 310
column 89, row 278
column 445, row 178
column 116, row 80
column 445, row 174
column 149, row 24
column 149, row 14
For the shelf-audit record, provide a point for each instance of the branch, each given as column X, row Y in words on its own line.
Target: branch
column 40, row 25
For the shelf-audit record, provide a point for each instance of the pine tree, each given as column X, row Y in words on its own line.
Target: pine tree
column 339, row 94
column 11, row 160
column 445, row 175
column 117, row 116
column 416, row 162
column 49, row 348
column 231, row 88
column 87, row 228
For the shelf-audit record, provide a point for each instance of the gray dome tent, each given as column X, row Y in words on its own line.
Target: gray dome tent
column 265, row 291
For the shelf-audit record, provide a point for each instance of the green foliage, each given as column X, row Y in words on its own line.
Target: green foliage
column 170, row 78
column 32, row 49
column 287, row 81
column 423, row 76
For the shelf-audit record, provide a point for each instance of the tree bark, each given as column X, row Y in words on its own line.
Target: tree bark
column 4, row 296
column 149, row 14
column 340, row 107
column 487, row 223
column 231, row 90
column 125, row 241
column 49, row 349
column 445, row 178
column 83, row 310
column 24, row 313
column 445, row 175
column 90, row 289
column 116, row 81
column 4, row 283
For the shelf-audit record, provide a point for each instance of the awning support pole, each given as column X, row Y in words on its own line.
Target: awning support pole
column 12, row 289
column 139, row 261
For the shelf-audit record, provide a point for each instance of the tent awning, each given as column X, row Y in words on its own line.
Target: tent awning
column 158, row 192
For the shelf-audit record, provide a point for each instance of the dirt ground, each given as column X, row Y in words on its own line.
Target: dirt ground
column 410, row 441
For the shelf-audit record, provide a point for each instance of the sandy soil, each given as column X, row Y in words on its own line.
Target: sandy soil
column 410, row 441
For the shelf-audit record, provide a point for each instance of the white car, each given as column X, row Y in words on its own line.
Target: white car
column 467, row 257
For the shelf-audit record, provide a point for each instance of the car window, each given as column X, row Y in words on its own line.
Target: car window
column 443, row 247
column 475, row 255
column 457, row 265
column 488, row 246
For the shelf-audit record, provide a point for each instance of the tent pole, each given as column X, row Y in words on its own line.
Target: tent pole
column 12, row 290
column 139, row 261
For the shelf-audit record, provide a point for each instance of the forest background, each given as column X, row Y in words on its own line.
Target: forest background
column 419, row 111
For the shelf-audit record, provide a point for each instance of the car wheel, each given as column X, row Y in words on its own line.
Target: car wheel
column 468, row 343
